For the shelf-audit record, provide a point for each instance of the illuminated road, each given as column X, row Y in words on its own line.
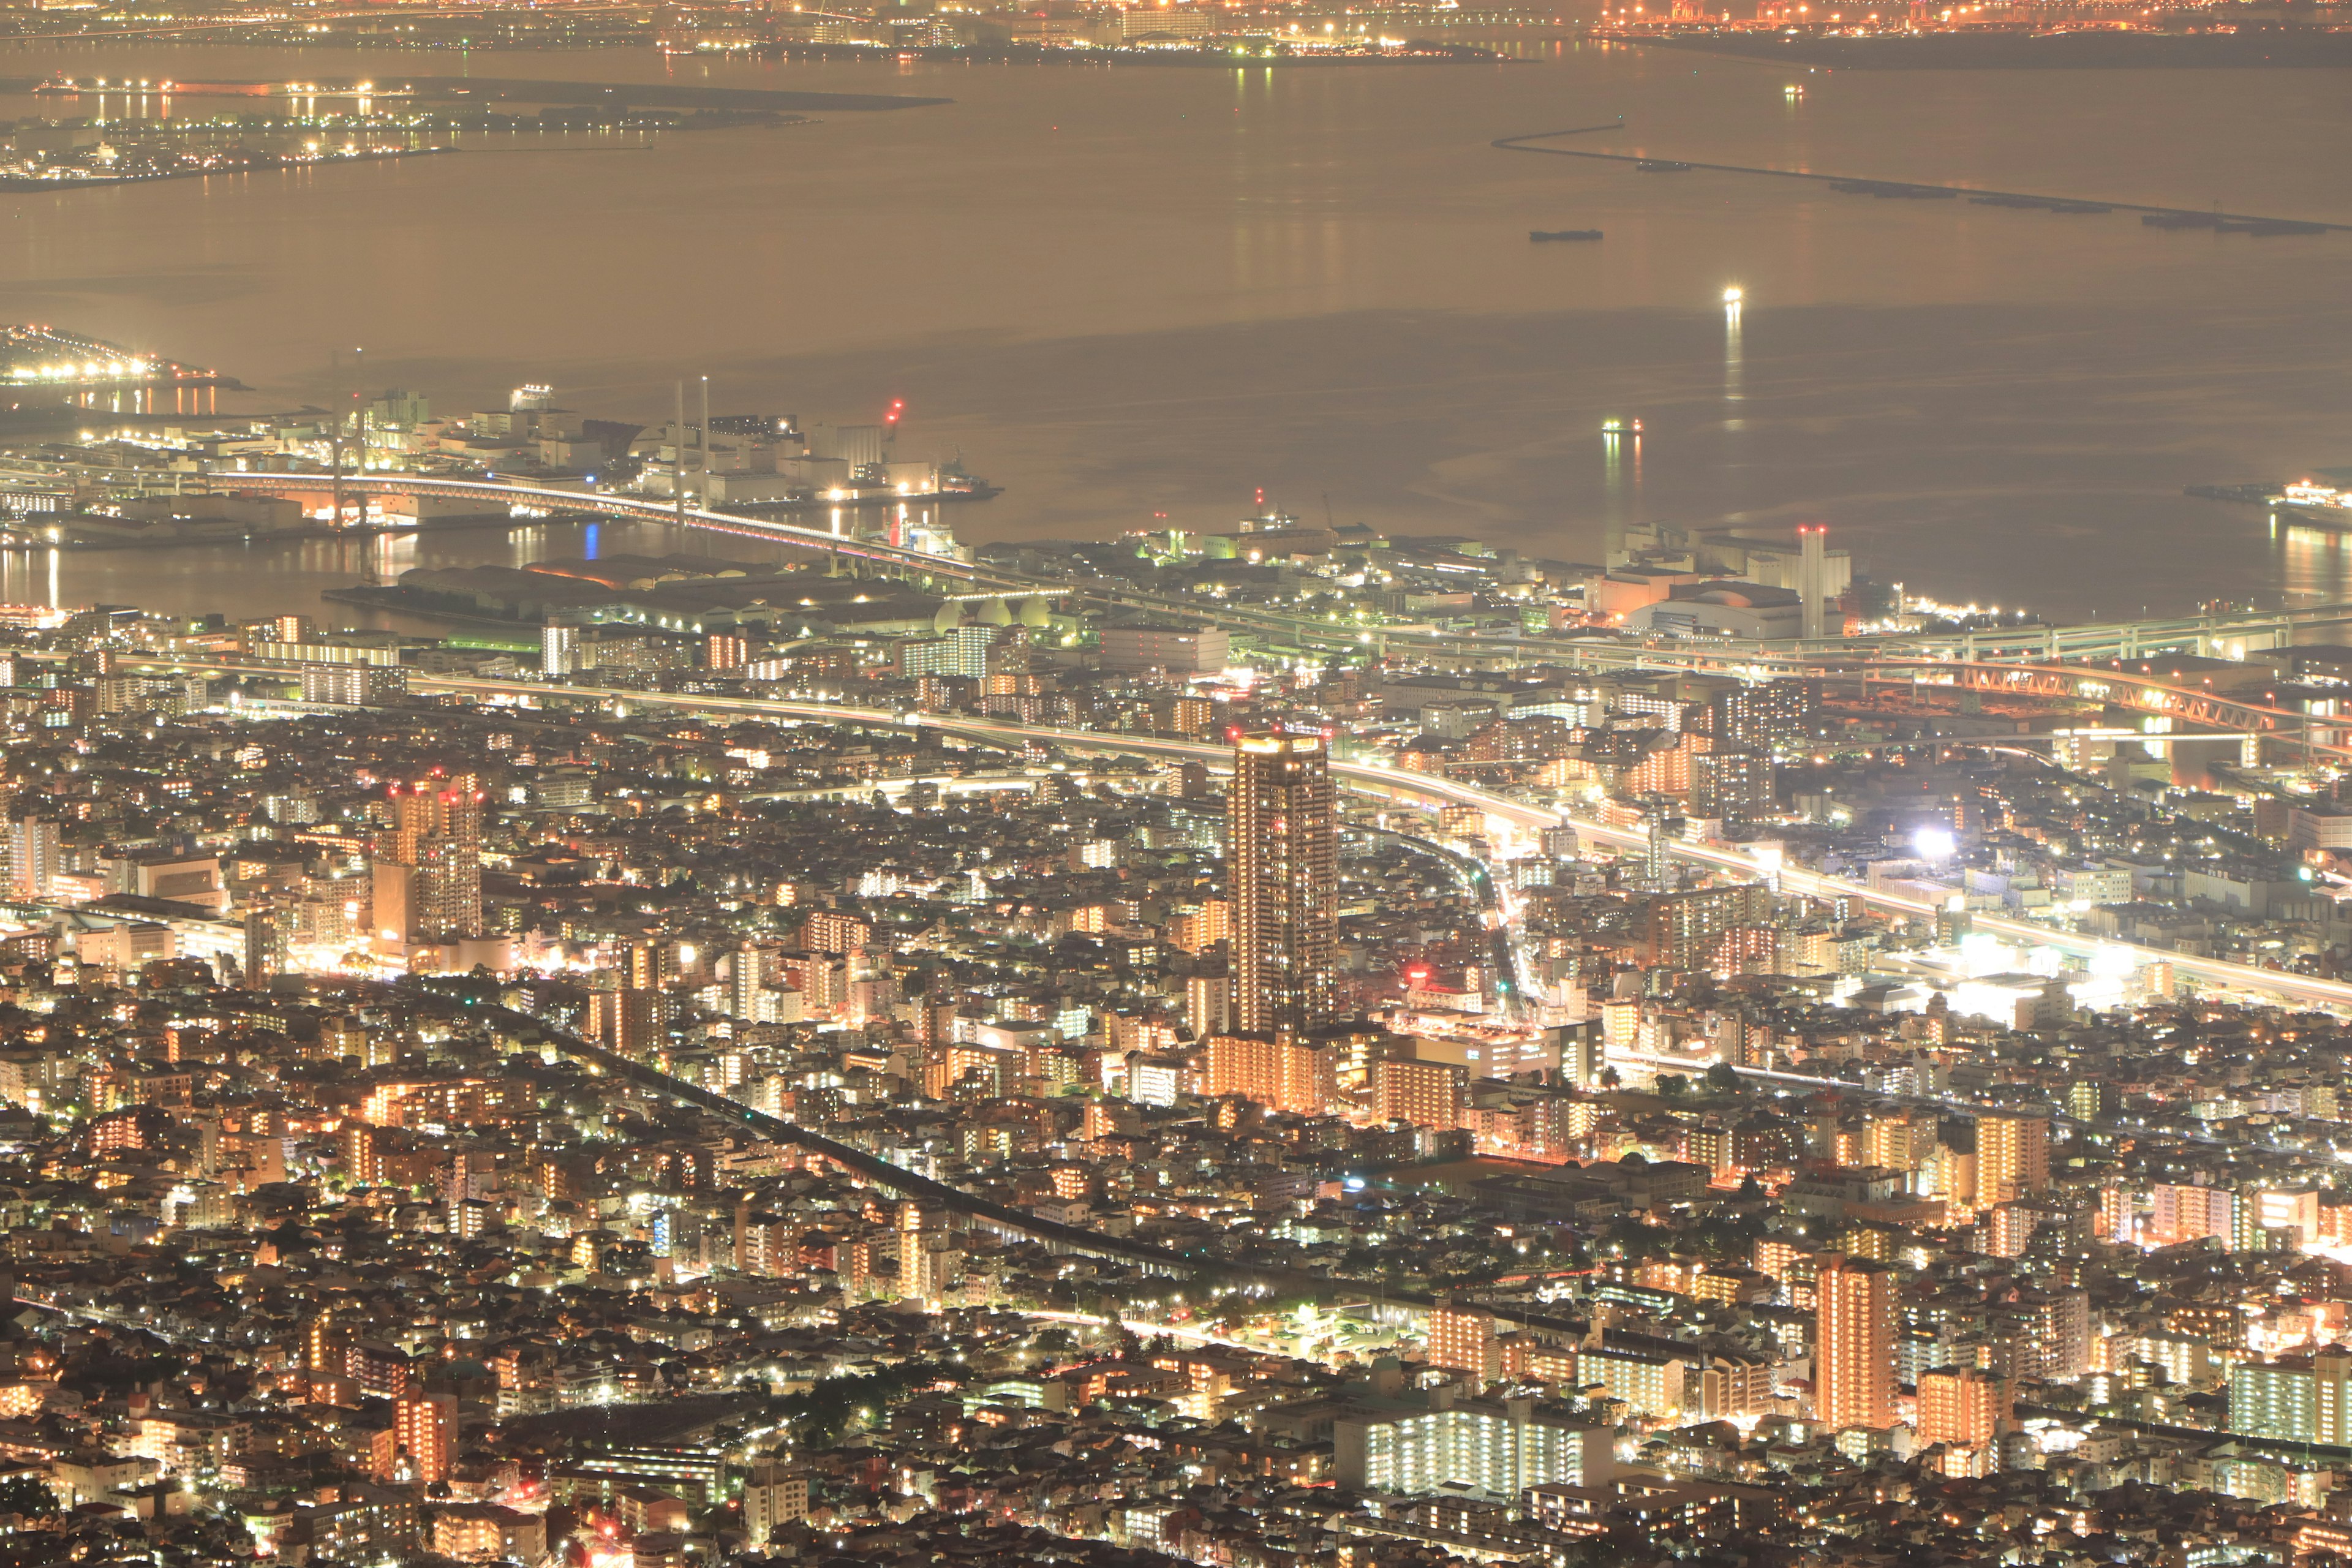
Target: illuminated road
column 645, row 508
column 1395, row 784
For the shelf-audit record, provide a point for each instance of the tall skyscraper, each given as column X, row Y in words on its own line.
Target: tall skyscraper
column 1282, row 861
column 35, row 855
column 559, row 649
column 1853, row 1352
column 264, row 944
column 428, row 865
column 2012, row 1157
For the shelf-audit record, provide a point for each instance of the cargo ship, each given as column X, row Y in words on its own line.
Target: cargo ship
column 1541, row 234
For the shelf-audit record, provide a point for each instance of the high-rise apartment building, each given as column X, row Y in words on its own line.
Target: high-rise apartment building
column 35, row 857
column 1283, row 1071
column 775, row 1493
column 1962, row 1404
column 629, row 1019
column 1853, row 1359
column 427, row 872
column 2179, row 1212
column 2296, row 1399
column 559, row 649
column 1766, row 715
column 831, row 931
column 1481, row 1448
column 424, row 1435
column 1282, row 861
column 1731, row 784
column 1683, row 929
column 2013, row 1156
column 358, row 1146
column 1425, row 1094
column 1463, row 1339
column 928, row 1255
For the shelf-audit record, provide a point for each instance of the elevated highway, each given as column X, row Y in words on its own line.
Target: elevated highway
column 2226, row 634
column 915, row 564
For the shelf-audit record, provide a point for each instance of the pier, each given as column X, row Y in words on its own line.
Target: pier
column 2176, row 217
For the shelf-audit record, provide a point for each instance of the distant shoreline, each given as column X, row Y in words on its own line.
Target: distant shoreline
column 1210, row 53
column 2271, row 50
column 442, row 89
column 21, row 183
column 656, row 95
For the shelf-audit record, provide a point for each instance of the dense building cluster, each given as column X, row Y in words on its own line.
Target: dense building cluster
column 675, row 1094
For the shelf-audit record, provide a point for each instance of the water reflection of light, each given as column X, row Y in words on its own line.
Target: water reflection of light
column 1733, row 390
column 2312, row 561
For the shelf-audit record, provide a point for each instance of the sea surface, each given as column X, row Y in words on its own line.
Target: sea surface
column 1137, row 295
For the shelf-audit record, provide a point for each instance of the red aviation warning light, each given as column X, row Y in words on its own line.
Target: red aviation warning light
column 898, row 406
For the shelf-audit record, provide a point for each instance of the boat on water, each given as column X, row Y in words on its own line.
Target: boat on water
column 1661, row 166
column 2315, row 506
column 1541, row 234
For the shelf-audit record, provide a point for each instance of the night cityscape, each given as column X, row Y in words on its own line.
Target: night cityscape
column 1137, row 785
